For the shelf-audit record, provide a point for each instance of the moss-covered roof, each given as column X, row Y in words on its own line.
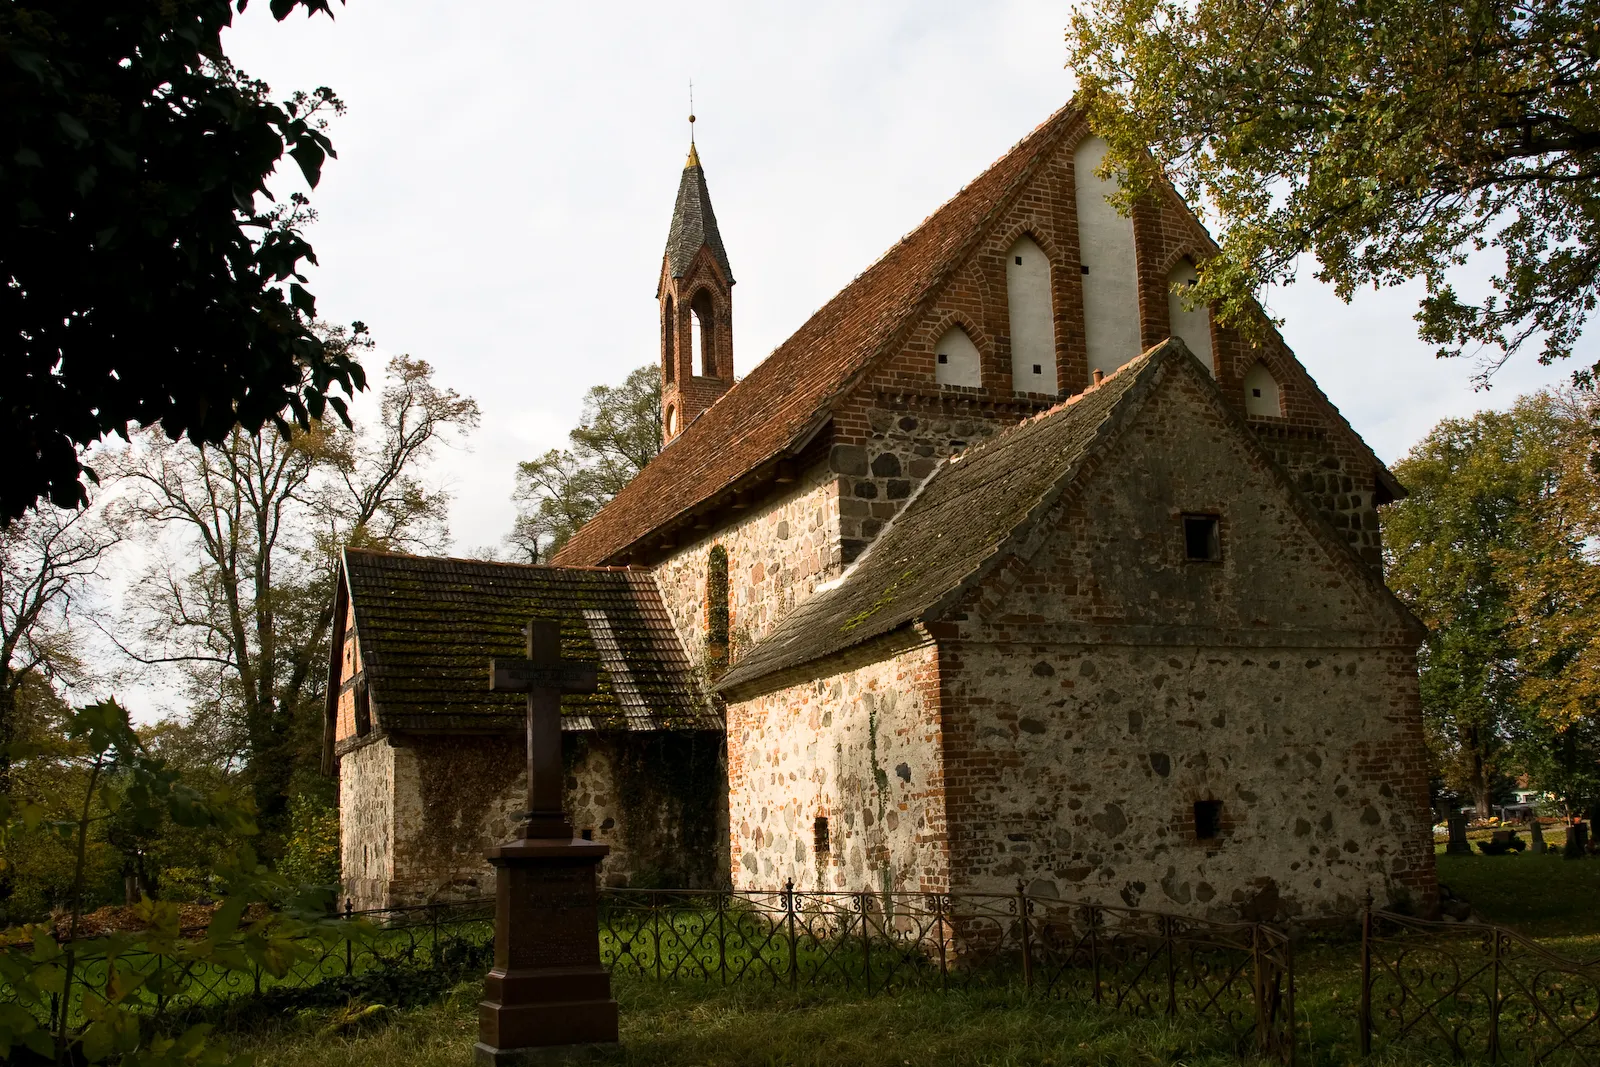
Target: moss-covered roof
column 427, row 628
column 969, row 508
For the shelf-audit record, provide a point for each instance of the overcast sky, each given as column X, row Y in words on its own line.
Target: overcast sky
column 507, row 170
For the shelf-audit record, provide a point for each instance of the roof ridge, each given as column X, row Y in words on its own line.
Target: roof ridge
column 348, row 550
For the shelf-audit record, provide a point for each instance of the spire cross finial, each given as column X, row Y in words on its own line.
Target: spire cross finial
column 691, row 112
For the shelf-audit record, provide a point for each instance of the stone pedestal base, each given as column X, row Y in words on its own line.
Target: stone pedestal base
column 547, row 991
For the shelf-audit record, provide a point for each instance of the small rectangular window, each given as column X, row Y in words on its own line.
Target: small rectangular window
column 1207, row 819
column 1086, row 268
column 944, row 357
column 819, row 833
column 588, row 834
column 1019, row 261
column 1038, row 369
column 1201, row 538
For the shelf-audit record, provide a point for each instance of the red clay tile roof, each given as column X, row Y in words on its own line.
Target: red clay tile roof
column 783, row 400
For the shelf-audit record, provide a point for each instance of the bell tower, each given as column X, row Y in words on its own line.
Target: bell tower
column 696, row 297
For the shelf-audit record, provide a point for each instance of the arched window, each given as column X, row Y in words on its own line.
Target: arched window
column 704, row 335
column 672, row 421
column 717, row 606
column 1033, row 326
column 1261, row 395
column 669, row 340
column 1110, row 273
column 1191, row 324
column 955, row 361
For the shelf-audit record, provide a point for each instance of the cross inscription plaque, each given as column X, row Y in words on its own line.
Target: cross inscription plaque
column 544, row 676
column 547, row 986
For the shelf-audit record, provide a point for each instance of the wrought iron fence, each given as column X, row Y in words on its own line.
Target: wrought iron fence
column 453, row 939
column 1474, row 991
column 1239, row 976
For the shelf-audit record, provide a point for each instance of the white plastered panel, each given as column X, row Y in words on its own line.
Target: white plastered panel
column 1111, row 278
column 1261, row 392
column 1193, row 326
column 1033, row 333
column 956, row 360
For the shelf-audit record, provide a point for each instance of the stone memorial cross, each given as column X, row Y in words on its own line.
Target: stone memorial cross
column 544, row 676
column 547, row 987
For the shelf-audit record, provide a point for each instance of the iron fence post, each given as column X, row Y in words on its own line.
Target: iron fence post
column 788, row 908
column 1288, row 969
column 1027, row 939
column 866, row 943
column 722, row 938
column 1366, row 977
column 1172, row 971
column 941, row 913
column 257, row 969
column 1256, row 987
column 655, row 933
column 1094, row 948
column 1494, row 998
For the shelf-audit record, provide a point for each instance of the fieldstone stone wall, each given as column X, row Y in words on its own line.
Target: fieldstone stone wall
column 1099, row 684
column 909, row 434
column 777, row 554
column 1105, row 750
column 656, row 797
column 366, row 824
column 859, row 747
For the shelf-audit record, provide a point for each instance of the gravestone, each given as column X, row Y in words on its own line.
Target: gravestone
column 1539, row 847
column 1577, row 841
column 1458, row 835
column 547, row 987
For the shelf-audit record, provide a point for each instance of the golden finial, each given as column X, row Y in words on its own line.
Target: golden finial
column 694, row 157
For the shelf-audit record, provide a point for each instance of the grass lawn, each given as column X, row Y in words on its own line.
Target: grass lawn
column 679, row 1025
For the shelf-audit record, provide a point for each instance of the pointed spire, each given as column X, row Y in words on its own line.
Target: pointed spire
column 694, row 224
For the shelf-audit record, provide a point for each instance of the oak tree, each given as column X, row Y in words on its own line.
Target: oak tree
column 1387, row 139
column 619, row 433
column 245, row 536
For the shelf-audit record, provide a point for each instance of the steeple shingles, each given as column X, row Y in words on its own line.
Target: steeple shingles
column 694, row 223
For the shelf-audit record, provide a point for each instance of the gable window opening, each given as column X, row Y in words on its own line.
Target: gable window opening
column 1202, row 538
column 1019, row 261
column 1038, row 368
column 944, row 357
column 1207, row 820
column 819, row 836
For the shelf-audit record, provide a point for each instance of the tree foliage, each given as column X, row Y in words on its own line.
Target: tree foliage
column 1387, row 138
column 148, row 277
column 49, row 970
column 46, row 560
column 561, row 490
column 246, row 534
column 1493, row 551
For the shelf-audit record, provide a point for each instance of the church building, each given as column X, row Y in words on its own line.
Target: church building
column 1007, row 565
